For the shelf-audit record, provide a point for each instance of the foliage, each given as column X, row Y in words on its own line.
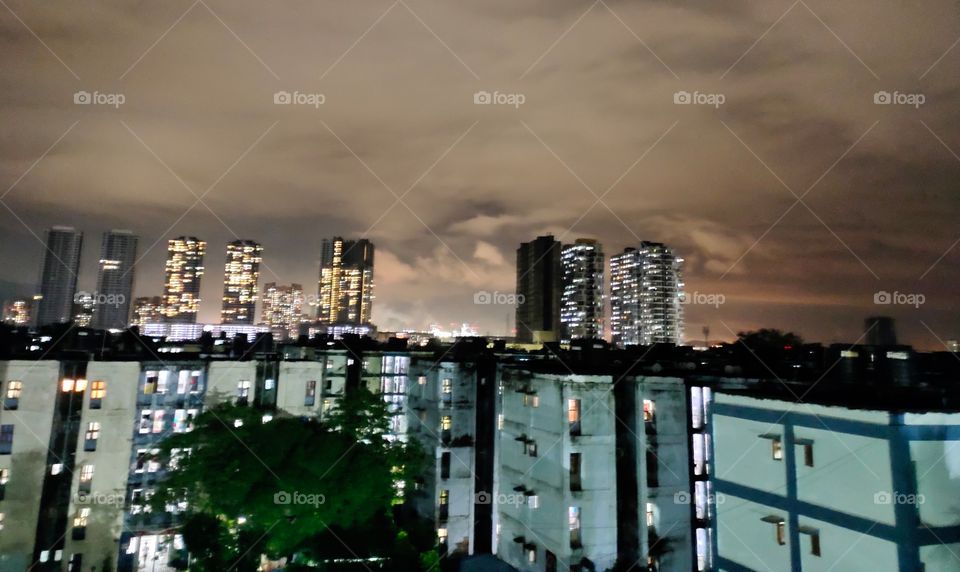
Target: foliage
column 279, row 487
column 769, row 340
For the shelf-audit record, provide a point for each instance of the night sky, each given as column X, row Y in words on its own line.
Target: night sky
column 599, row 120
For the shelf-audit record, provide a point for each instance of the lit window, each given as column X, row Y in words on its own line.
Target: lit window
column 66, row 385
column 447, row 385
column 80, row 385
column 4, row 476
column 422, row 380
column 243, row 389
column 573, row 523
column 649, row 411
column 91, row 435
column 269, row 384
column 145, row 416
column 183, row 381
column 650, row 518
column 532, row 555
column 776, row 445
column 86, row 478
column 83, row 516
column 14, row 388
column 446, row 423
column 500, row 421
column 533, row 501
column 158, row 421
column 779, row 526
column 150, row 383
column 1, row 520
column 98, row 390
column 573, row 411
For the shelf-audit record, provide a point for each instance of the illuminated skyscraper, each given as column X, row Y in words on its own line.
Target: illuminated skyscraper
column 346, row 281
column 283, row 308
column 181, row 291
column 646, row 289
column 118, row 254
column 147, row 310
column 539, row 280
column 17, row 312
column 581, row 304
column 625, row 297
column 241, row 275
column 58, row 275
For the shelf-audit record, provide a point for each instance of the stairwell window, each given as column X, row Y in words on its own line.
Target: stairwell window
column 6, row 439
column 86, row 478
column 807, row 445
column 776, row 445
column 573, row 416
column 779, row 528
column 91, row 435
column 814, row 535
column 14, row 389
column 98, row 390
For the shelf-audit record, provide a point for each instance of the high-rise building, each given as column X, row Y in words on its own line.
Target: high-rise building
column 147, row 310
column 84, row 304
column 581, row 306
column 625, row 297
column 346, row 281
column 539, row 280
column 17, row 312
column 58, row 275
column 240, row 277
column 118, row 254
column 181, row 290
column 283, row 308
column 646, row 291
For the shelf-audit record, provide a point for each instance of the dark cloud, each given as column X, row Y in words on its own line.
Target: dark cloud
column 398, row 115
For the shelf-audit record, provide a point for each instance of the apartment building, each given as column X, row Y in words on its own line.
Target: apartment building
column 851, row 478
column 451, row 413
column 593, row 470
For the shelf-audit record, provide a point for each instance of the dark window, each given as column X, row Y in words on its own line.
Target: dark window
column 575, row 483
column 445, row 466
column 652, row 478
column 6, row 439
column 310, row 397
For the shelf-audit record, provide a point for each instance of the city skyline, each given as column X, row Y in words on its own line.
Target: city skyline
column 803, row 109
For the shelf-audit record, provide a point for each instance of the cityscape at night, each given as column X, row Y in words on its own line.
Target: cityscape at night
column 605, row 286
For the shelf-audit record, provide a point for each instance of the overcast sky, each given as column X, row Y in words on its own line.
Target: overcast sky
column 598, row 82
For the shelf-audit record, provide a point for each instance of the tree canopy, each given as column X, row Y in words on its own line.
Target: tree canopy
column 286, row 486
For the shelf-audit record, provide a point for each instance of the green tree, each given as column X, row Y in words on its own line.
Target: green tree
column 275, row 488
